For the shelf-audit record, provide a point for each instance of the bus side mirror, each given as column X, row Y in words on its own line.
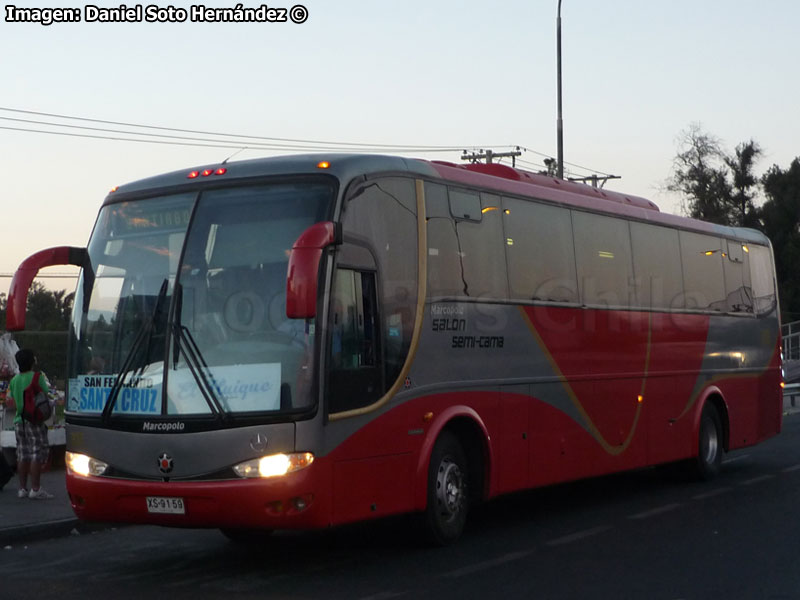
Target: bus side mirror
column 26, row 273
column 303, row 273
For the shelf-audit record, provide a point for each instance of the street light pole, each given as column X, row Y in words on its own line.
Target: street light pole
column 560, row 121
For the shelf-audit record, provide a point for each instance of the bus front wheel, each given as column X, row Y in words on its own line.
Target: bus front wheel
column 448, row 500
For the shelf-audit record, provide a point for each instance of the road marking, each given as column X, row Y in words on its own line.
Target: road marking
column 712, row 493
column 656, row 511
column 728, row 461
column 756, row 479
column 791, row 469
column 577, row 536
column 489, row 564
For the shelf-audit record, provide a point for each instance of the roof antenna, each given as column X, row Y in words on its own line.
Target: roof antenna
column 234, row 154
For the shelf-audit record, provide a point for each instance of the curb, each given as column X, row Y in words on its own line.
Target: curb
column 36, row 531
column 49, row 530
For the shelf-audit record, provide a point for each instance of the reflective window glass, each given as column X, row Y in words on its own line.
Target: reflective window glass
column 445, row 272
column 540, row 252
column 481, row 251
column 703, row 279
column 381, row 217
column 603, row 256
column 657, row 266
column 761, row 274
column 738, row 295
column 465, row 205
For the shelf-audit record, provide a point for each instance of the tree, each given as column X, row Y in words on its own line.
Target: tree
column 722, row 188
column 47, row 321
column 745, row 183
column 699, row 175
column 551, row 167
column 780, row 219
column 48, row 310
column 714, row 185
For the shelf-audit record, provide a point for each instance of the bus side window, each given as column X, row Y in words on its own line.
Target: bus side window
column 445, row 273
column 380, row 217
column 703, row 276
column 604, row 260
column 354, row 376
column 539, row 251
column 738, row 295
column 761, row 270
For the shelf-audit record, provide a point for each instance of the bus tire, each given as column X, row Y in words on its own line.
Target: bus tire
column 708, row 462
column 448, row 492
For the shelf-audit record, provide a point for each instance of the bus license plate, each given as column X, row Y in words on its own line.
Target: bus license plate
column 161, row 504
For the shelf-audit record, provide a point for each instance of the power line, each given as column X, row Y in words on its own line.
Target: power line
column 533, row 165
column 106, row 130
column 235, row 141
column 227, row 144
column 120, row 139
column 232, row 145
column 316, row 143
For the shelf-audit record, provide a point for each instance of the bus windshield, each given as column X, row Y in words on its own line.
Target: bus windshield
column 181, row 307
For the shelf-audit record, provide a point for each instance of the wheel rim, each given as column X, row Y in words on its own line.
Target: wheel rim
column 450, row 489
column 710, row 444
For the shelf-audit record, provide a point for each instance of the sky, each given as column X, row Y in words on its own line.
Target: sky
column 463, row 74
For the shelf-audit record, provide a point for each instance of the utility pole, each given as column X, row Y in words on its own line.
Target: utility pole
column 490, row 155
column 560, row 121
column 594, row 179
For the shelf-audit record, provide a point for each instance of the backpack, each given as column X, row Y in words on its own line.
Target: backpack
column 35, row 403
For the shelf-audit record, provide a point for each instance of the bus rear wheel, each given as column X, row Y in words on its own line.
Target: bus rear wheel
column 708, row 462
column 448, row 499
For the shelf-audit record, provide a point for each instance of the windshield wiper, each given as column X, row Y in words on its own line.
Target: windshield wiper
column 184, row 342
column 145, row 332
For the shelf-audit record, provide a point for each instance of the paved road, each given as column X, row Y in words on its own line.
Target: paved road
column 640, row 535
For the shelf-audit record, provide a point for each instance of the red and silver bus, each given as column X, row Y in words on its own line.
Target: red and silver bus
column 306, row 341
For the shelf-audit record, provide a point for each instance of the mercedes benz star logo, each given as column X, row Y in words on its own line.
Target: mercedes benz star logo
column 259, row 442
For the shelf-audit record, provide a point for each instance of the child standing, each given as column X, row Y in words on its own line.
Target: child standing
column 32, row 445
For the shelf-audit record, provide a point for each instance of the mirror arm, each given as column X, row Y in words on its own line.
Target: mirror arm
column 26, row 273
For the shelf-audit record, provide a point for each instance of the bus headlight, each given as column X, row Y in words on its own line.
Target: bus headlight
column 274, row 465
column 85, row 466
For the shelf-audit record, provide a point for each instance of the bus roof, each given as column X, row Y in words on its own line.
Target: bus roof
column 492, row 177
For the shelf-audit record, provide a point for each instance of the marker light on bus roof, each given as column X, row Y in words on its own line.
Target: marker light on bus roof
column 207, row 173
column 274, row 465
column 323, row 164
